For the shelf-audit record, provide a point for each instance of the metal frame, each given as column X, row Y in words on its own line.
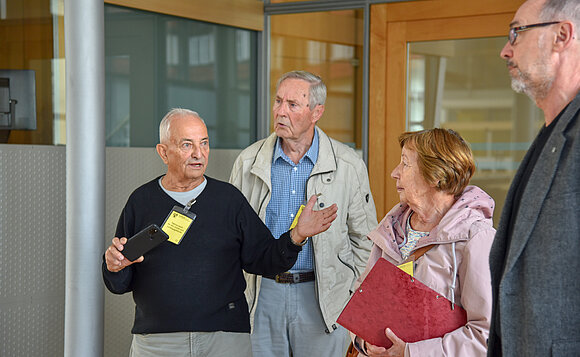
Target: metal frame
column 320, row 5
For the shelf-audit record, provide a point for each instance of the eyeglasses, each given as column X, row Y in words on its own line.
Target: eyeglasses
column 513, row 34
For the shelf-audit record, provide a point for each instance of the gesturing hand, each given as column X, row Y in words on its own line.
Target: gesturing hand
column 313, row 222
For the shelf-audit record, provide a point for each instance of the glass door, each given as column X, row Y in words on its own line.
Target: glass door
column 464, row 85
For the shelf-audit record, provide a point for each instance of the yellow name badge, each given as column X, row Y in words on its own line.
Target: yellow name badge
column 407, row 267
column 177, row 224
column 295, row 221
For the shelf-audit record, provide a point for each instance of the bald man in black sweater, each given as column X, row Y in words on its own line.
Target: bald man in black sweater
column 190, row 296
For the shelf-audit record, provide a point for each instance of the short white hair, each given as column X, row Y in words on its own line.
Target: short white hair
column 165, row 124
column 317, row 89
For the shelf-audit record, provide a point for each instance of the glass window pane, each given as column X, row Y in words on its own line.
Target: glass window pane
column 329, row 44
column 464, row 85
column 156, row 62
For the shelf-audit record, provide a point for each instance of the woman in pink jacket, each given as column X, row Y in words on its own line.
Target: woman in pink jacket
column 438, row 210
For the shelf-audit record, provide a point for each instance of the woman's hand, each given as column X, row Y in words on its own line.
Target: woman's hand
column 396, row 350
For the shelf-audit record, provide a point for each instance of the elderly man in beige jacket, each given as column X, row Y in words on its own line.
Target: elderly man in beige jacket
column 296, row 312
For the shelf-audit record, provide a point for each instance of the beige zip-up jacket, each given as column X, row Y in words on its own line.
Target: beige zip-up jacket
column 340, row 253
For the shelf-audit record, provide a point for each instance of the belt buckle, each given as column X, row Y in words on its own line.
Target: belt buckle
column 277, row 278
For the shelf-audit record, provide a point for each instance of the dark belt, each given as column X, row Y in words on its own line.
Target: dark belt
column 292, row 278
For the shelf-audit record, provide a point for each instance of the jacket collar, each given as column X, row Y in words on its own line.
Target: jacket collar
column 473, row 205
column 326, row 156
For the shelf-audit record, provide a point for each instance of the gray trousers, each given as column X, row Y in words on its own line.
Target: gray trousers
column 191, row 344
column 288, row 322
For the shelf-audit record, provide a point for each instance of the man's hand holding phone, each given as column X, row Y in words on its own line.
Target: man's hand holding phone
column 124, row 252
column 115, row 260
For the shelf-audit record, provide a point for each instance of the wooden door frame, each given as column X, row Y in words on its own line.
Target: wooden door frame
column 392, row 27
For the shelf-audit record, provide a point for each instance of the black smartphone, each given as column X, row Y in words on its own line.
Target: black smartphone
column 143, row 242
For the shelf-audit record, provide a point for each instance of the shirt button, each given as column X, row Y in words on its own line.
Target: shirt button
column 293, row 192
column 295, row 168
column 291, row 214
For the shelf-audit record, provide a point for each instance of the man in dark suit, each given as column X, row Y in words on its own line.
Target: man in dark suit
column 535, row 257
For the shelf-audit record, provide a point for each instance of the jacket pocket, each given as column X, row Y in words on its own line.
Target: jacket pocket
column 345, row 259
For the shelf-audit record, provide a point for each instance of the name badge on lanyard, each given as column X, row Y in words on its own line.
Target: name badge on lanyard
column 178, row 221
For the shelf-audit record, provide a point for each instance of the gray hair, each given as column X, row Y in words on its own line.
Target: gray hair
column 560, row 10
column 317, row 92
column 165, row 124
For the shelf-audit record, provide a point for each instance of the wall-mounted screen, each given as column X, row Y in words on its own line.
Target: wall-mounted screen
column 17, row 99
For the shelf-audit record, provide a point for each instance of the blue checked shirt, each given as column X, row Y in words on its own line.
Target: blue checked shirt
column 288, row 193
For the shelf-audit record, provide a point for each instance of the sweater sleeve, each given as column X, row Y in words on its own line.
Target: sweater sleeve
column 261, row 253
column 119, row 282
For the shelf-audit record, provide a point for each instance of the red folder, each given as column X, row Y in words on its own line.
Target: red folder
column 389, row 297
